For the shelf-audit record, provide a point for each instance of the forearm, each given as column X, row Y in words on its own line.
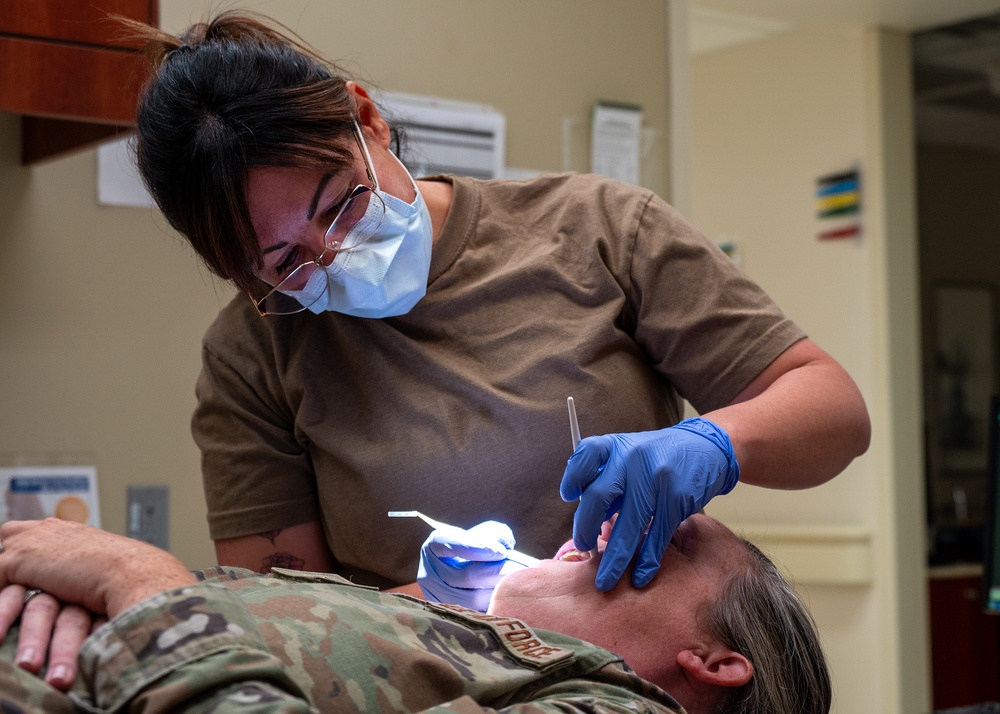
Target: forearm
column 300, row 547
column 407, row 589
column 799, row 424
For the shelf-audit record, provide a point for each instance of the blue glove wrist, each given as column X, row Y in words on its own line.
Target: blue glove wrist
column 718, row 436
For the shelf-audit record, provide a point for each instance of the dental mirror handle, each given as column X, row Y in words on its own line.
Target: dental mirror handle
column 574, row 435
column 574, row 425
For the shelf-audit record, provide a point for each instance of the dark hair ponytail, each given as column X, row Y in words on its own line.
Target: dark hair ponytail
column 227, row 96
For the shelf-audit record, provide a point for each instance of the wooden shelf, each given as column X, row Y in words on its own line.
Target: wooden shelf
column 67, row 69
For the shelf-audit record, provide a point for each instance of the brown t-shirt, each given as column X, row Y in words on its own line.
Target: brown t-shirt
column 564, row 285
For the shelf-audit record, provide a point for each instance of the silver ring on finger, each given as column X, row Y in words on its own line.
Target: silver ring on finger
column 1, row 546
column 28, row 594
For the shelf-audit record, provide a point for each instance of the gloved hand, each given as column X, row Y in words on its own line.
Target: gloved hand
column 653, row 479
column 462, row 567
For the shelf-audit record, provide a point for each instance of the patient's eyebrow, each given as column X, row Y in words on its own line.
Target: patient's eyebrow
column 319, row 192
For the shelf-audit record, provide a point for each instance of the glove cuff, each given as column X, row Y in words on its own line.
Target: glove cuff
column 718, row 436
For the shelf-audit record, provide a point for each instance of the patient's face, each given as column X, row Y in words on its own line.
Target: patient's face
column 646, row 627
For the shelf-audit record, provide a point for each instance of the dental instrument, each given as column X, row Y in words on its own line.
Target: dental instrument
column 515, row 556
column 574, row 435
column 574, row 425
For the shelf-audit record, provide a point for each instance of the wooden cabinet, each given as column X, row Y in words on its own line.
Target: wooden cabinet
column 67, row 69
column 965, row 642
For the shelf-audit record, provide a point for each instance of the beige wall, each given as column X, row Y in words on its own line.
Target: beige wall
column 102, row 309
column 770, row 118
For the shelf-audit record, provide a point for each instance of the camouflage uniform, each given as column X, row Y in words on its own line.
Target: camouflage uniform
column 308, row 642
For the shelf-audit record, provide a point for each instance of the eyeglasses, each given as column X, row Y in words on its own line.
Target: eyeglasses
column 357, row 219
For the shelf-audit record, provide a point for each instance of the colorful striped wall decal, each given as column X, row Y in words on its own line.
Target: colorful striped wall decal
column 838, row 205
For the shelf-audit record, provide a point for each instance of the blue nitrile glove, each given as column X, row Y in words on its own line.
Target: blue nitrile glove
column 462, row 567
column 651, row 478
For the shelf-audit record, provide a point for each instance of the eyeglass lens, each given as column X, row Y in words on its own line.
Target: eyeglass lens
column 357, row 221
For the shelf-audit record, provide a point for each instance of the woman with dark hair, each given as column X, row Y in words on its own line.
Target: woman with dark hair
column 410, row 344
column 717, row 630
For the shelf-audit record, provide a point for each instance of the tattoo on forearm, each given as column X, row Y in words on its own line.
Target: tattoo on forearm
column 270, row 535
column 281, row 560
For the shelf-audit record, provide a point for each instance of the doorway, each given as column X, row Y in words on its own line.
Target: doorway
column 956, row 75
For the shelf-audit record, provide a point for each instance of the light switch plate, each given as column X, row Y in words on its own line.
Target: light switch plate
column 148, row 514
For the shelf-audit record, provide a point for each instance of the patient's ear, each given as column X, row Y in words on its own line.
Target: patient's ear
column 718, row 666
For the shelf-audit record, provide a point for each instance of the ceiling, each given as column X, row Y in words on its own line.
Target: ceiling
column 909, row 15
column 956, row 51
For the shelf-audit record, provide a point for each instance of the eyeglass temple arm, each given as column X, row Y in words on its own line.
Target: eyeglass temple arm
column 368, row 158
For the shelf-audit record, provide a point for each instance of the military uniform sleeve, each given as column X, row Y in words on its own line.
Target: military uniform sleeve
column 194, row 649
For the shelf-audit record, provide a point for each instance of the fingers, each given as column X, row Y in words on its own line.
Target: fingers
column 597, row 502
column 584, row 466
column 632, row 527
column 651, row 553
column 459, row 581
column 72, row 627
column 11, row 528
column 11, row 604
column 45, row 629
column 629, row 529
column 469, row 574
column 602, row 499
column 494, row 531
column 37, row 621
column 473, row 545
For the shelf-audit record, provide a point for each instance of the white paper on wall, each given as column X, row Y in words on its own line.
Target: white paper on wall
column 616, row 142
column 118, row 182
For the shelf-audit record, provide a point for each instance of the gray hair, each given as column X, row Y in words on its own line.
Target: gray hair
column 761, row 616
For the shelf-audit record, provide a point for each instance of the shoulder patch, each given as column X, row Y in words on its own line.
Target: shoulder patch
column 305, row 576
column 517, row 639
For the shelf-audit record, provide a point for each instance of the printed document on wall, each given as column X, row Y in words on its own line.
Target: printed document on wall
column 615, row 142
column 35, row 492
column 445, row 136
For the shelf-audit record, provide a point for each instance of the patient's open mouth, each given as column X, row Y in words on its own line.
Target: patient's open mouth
column 575, row 556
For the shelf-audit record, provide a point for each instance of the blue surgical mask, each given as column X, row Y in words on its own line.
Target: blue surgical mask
column 387, row 274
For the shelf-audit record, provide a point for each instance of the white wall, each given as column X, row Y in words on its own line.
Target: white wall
column 769, row 119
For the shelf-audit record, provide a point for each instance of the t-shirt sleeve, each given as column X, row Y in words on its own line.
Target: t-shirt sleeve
column 257, row 476
column 701, row 320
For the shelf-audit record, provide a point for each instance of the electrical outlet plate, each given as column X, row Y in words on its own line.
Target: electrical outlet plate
column 147, row 515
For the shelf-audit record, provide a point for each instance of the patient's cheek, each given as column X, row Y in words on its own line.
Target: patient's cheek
column 524, row 583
